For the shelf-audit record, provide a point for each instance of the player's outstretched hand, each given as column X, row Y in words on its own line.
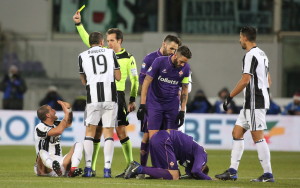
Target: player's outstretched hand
column 141, row 112
column 77, row 17
column 65, row 106
column 226, row 103
column 180, row 118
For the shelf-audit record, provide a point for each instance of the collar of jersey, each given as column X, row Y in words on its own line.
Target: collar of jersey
column 253, row 47
column 47, row 125
column 99, row 47
column 158, row 52
column 120, row 52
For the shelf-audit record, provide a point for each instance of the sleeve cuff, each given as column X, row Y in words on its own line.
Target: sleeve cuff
column 132, row 99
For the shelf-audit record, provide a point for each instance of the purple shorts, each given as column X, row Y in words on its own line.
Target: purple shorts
column 162, row 119
column 162, row 151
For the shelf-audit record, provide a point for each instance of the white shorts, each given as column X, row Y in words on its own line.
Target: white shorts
column 60, row 159
column 105, row 111
column 252, row 120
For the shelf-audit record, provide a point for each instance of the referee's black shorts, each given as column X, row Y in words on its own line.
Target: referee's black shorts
column 122, row 109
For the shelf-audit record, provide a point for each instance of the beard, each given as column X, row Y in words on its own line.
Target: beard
column 165, row 53
column 243, row 46
column 176, row 63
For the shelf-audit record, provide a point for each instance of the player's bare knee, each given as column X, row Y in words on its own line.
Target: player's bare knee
column 121, row 135
column 238, row 132
column 236, row 135
column 121, row 132
column 108, row 132
column 257, row 135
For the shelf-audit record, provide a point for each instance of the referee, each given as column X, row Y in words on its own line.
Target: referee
column 127, row 64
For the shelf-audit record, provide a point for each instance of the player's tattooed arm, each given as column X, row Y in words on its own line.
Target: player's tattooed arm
column 184, row 96
column 145, row 87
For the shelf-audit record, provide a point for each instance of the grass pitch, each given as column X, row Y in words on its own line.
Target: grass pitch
column 16, row 170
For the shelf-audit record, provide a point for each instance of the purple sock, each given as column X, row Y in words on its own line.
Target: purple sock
column 157, row 173
column 144, row 153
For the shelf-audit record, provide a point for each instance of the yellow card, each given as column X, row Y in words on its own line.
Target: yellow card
column 81, row 8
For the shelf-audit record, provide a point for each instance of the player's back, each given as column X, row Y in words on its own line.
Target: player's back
column 182, row 144
column 261, row 67
column 257, row 90
column 98, row 64
column 185, row 147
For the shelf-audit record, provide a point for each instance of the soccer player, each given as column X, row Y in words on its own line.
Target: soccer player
column 255, row 83
column 166, row 148
column 99, row 68
column 127, row 64
column 160, row 89
column 49, row 161
column 168, row 47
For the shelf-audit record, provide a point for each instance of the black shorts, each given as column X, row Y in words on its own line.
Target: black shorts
column 122, row 109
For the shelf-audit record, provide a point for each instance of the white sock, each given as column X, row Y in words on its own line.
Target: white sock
column 77, row 155
column 236, row 153
column 264, row 155
column 46, row 159
column 108, row 152
column 88, row 146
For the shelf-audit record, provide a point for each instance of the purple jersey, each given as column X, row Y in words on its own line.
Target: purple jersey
column 175, row 145
column 167, row 80
column 147, row 62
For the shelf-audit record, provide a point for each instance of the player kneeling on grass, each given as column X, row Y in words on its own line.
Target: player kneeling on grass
column 166, row 148
column 49, row 161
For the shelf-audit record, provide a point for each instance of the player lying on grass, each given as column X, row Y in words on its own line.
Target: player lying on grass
column 166, row 148
column 49, row 160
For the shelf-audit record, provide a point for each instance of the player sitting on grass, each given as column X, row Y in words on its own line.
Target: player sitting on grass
column 166, row 148
column 49, row 161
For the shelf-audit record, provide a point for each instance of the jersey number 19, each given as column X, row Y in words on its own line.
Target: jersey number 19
column 101, row 61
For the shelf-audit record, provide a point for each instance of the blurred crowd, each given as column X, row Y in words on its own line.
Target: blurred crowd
column 200, row 104
column 14, row 87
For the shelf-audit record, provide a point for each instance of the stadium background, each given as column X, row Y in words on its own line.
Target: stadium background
column 41, row 33
column 39, row 37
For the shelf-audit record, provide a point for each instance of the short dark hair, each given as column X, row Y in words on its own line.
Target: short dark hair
column 249, row 32
column 95, row 38
column 205, row 169
column 117, row 31
column 172, row 38
column 185, row 51
column 42, row 111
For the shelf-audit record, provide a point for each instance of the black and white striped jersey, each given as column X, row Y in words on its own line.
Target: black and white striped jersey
column 98, row 64
column 256, row 93
column 45, row 142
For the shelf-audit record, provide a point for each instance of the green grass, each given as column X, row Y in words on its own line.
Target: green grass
column 16, row 170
